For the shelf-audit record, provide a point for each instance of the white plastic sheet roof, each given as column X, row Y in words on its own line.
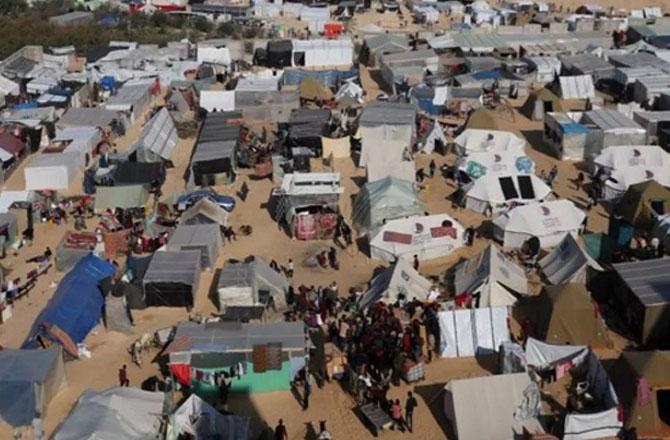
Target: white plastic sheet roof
column 631, row 156
column 474, row 140
column 565, row 261
column 577, row 87
column 621, row 178
column 488, row 188
column 160, row 134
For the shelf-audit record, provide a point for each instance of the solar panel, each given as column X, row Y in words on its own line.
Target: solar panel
column 526, row 187
column 508, row 189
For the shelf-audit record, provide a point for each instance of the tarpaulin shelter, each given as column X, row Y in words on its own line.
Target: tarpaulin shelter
column 433, row 138
column 499, row 397
column 73, row 247
column 642, row 383
column 642, row 296
column 566, row 137
column 491, row 275
column 311, row 90
column 139, row 173
column 79, row 140
column 125, row 197
column 338, row 148
column 12, row 145
column 476, row 165
column 482, row 119
column 279, row 53
column 619, row 180
column 133, row 100
column 119, row 413
column 205, row 211
column 383, row 200
column 205, row 238
column 577, row 87
column 158, row 138
column 53, row 171
column 386, row 129
column 498, row 193
column 473, row 140
column 400, row 280
column 251, row 284
column 565, row 314
column 270, row 355
column 625, row 156
column 610, row 127
column 472, row 332
column 267, row 106
column 75, row 308
column 215, row 156
column 427, row 237
column 200, row 419
column 88, row 117
column 306, row 128
column 643, row 202
column 29, row 379
column 172, row 278
column 547, row 221
column 568, row 263
column 543, row 101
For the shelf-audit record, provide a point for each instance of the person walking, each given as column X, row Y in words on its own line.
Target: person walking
column 291, row 268
column 396, row 415
column 123, row 377
column 431, row 168
column 280, row 431
column 308, row 391
column 416, row 262
column 324, row 434
column 410, row 404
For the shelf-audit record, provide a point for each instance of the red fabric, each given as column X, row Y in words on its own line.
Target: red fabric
column 305, row 228
column 442, row 231
column 397, row 237
column 596, row 308
column 463, row 299
column 182, row 373
column 643, row 392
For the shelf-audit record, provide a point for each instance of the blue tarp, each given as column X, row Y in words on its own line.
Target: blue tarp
column 488, row 74
column 427, row 106
column 25, row 106
column 330, row 78
column 573, row 128
column 77, row 305
column 108, row 83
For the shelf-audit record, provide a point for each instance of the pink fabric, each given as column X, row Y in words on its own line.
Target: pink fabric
column 562, row 369
column 643, row 391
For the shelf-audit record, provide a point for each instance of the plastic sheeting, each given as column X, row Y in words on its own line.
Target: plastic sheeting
column 201, row 420
column 466, row 332
column 221, row 100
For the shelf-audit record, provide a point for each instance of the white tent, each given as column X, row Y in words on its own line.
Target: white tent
column 468, row 332
column 434, row 135
column 221, row 100
column 631, row 156
column 474, row 140
column 480, row 164
column 501, row 192
column 492, row 275
column 577, row 87
column 213, row 55
column 81, row 140
column 325, row 52
column 567, row 263
column 430, row 236
column 351, row 90
column 620, row 179
column 52, row 171
column 394, row 281
column 547, row 221
column 485, row 408
column 199, row 419
column 389, row 167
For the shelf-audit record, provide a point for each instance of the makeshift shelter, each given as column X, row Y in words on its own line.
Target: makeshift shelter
column 564, row 314
column 643, row 202
column 427, row 237
column 89, row 117
column 566, row 137
column 433, row 139
column 119, row 413
column 619, row 180
column 476, row 165
column 311, row 90
column 339, row 148
column 126, row 197
column 150, row 175
column 473, row 140
column 29, row 379
column 279, row 53
column 251, row 284
column 158, row 139
column 498, row 193
column 399, row 281
column 198, row 418
column 205, row 238
column 80, row 141
column 132, row 100
column 204, row 212
column 172, row 278
column 577, row 87
column 545, row 69
column 386, row 199
column 499, row 397
column 471, row 332
column 631, row 156
column 9, row 229
column 547, row 221
column 641, row 296
column 386, row 130
column 568, row 263
column 482, row 119
column 543, row 101
column 267, row 106
column 215, row 154
column 265, row 357
column 73, row 247
column 492, row 276
column 610, row 127
column 74, row 309
column 308, row 203
column 642, row 383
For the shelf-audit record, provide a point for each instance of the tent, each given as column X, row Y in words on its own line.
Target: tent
column 29, row 379
column 131, row 99
column 79, row 140
column 270, row 355
column 198, row 418
column 386, row 129
column 75, row 308
column 626, row 156
column 488, row 141
column 565, row 314
column 119, row 413
column 217, row 100
column 203, row 212
column 543, row 100
column 383, row 200
column 492, row 275
column 577, row 87
column 401, row 169
column 398, row 280
column 642, row 380
column 434, row 136
column 150, row 174
column 643, row 202
column 205, row 238
column 311, row 90
column 621, row 179
column 471, row 332
column 498, row 193
column 172, row 278
column 158, row 139
column 338, row 147
column 251, row 284
column 127, row 196
column 567, row 263
column 88, row 117
column 482, row 119
column 547, row 221
column 430, row 236
column 476, row 165
column 498, row 397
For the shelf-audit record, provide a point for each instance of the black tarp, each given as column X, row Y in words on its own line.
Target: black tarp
column 508, row 188
column 526, row 187
column 279, row 53
column 139, row 173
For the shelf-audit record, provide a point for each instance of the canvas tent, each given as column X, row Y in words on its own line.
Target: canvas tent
column 498, row 193
column 565, row 314
column 127, row 196
column 643, row 202
column 74, row 309
column 158, row 139
column 491, row 275
column 430, row 236
column 577, row 87
column 251, row 284
column 471, row 332
column 482, row 119
column 543, row 101
column 203, row 212
column 642, row 381
column 88, row 117
column 198, row 418
column 434, row 136
column 383, row 200
column 398, row 280
column 53, row 171
column 120, row 413
column 131, row 99
column 492, row 141
column 386, row 129
column 568, row 263
column 619, row 180
column 172, row 278
column 547, row 221
column 29, row 379
column 626, row 156
column 499, row 397
column 205, row 238
column 476, row 165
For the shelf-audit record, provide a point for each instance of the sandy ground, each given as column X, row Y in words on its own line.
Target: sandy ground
column 109, row 349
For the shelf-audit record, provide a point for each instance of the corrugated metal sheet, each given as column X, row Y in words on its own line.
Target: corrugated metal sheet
column 610, row 119
column 647, row 280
